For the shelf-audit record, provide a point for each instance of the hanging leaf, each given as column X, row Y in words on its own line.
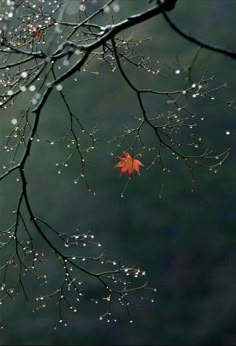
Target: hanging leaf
column 128, row 164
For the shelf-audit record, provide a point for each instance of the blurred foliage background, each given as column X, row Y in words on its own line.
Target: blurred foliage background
column 184, row 241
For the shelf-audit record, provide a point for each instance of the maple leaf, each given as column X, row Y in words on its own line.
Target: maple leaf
column 37, row 33
column 128, row 164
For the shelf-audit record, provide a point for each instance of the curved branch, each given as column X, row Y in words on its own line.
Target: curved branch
column 200, row 43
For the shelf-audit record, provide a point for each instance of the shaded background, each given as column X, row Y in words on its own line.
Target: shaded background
column 185, row 241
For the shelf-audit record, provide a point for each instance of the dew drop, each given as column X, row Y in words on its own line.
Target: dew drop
column 59, row 87
column 24, row 74
column 116, row 8
column 32, row 88
column 82, row 8
column 107, row 9
column 23, row 88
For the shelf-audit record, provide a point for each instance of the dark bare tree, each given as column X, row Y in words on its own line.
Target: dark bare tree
column 44, row 44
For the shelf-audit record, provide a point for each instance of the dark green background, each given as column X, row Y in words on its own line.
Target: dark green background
column 185, row 241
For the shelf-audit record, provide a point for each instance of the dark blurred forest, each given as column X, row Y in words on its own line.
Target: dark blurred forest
column 184, row 240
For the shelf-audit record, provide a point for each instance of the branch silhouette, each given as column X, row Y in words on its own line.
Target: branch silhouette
column 40, row 49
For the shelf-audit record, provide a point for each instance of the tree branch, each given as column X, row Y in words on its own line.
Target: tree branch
column 200, row 43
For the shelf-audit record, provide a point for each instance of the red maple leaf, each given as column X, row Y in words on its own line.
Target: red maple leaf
column 128, row 164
